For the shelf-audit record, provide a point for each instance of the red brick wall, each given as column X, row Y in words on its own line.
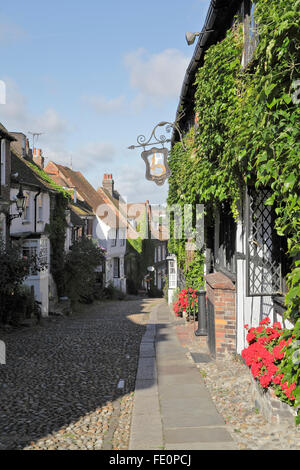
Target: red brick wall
column 221, row 293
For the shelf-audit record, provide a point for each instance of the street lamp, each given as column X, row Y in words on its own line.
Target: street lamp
column 20, row 203
column 190, row 37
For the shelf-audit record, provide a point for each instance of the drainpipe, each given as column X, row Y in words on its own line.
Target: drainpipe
column 35, row 200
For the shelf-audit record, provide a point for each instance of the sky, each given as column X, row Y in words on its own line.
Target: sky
column 92, row 76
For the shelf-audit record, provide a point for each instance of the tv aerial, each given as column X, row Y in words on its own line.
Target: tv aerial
column 35, row 134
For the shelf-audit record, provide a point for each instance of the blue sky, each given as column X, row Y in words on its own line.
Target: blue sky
column 94, row 75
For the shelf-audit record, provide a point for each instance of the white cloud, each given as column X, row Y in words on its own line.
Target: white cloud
column 157, row 77
column 103, row 105
column 50, row 123
column 11, row 32
column 84, row 159
column 16, row 116
column 15, row 108
column 94, row 153
column 131, row 183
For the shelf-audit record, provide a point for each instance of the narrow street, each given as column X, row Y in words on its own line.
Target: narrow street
column 69, row 383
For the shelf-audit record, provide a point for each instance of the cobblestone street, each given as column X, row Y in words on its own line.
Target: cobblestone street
column 69, row 383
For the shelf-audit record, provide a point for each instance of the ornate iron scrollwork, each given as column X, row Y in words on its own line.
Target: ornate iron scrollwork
column 157, row 140
column 158, row 163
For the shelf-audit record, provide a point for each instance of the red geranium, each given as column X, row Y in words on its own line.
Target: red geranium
column 264, row 353
column 186, row 299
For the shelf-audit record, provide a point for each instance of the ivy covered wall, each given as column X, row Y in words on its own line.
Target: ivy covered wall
column 247, row 129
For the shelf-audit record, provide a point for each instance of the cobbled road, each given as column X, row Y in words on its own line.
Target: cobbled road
column 69, row 383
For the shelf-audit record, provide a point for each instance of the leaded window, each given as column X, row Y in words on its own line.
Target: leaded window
column 225, row 242
column 263, row 246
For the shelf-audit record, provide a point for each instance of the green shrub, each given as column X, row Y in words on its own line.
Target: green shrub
column 14, row 269
column 79, row 270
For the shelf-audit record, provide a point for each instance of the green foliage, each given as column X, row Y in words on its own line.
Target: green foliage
column 264, row 137
column 289, row 366
column 136, row 244
column 79, row 269
column 57, row 227
column 194, row 276
column 247, row 130
column 112, row 293
column 14, row 269
column 141, row 251
column 42, row 174
column 57, row 234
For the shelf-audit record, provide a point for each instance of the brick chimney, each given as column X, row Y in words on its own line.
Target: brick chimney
column 38, row 157
column 108, row 183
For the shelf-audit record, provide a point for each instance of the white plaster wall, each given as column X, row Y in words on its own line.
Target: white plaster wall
column 19, row 224
column 40, row 284
column 104, row 234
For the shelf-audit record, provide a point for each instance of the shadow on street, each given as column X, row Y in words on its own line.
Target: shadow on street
column 58, row 373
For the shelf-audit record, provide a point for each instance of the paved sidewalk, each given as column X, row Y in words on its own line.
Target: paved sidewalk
column 172, row 407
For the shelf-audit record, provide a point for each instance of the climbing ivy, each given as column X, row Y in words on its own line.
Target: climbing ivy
column 57, row 235
column 247, row 129
column 42, row 174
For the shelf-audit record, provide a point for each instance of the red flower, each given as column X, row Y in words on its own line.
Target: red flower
column 265, row 321
column 277, row 379
column 265, row 381
column 250, row 337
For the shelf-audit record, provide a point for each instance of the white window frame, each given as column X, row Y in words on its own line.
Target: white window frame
column 30, row 248
column 114, row 239
column 159, row 253
column 38, row 247
column 116, row 262
column 40, row 204
column 172, row 274
column 27, row 208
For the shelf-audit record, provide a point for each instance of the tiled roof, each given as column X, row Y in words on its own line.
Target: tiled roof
column 75, row 218
column 95, row 199
column 74, row 179
column 4, row 133
column 26, row 174
column 81, row 209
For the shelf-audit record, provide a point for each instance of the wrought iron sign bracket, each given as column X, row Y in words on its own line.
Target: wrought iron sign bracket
column 158, row 170
column 154, row 139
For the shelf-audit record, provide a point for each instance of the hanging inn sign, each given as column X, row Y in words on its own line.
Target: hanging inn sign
column 156, row 158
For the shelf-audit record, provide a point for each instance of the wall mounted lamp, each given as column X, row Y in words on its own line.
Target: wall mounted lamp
column 190, row 37
column 20, row 203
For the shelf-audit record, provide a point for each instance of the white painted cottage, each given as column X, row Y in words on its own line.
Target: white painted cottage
column 107, row 227
column 30, row 229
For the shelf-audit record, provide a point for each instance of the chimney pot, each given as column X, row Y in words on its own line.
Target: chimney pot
column 38, row 157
